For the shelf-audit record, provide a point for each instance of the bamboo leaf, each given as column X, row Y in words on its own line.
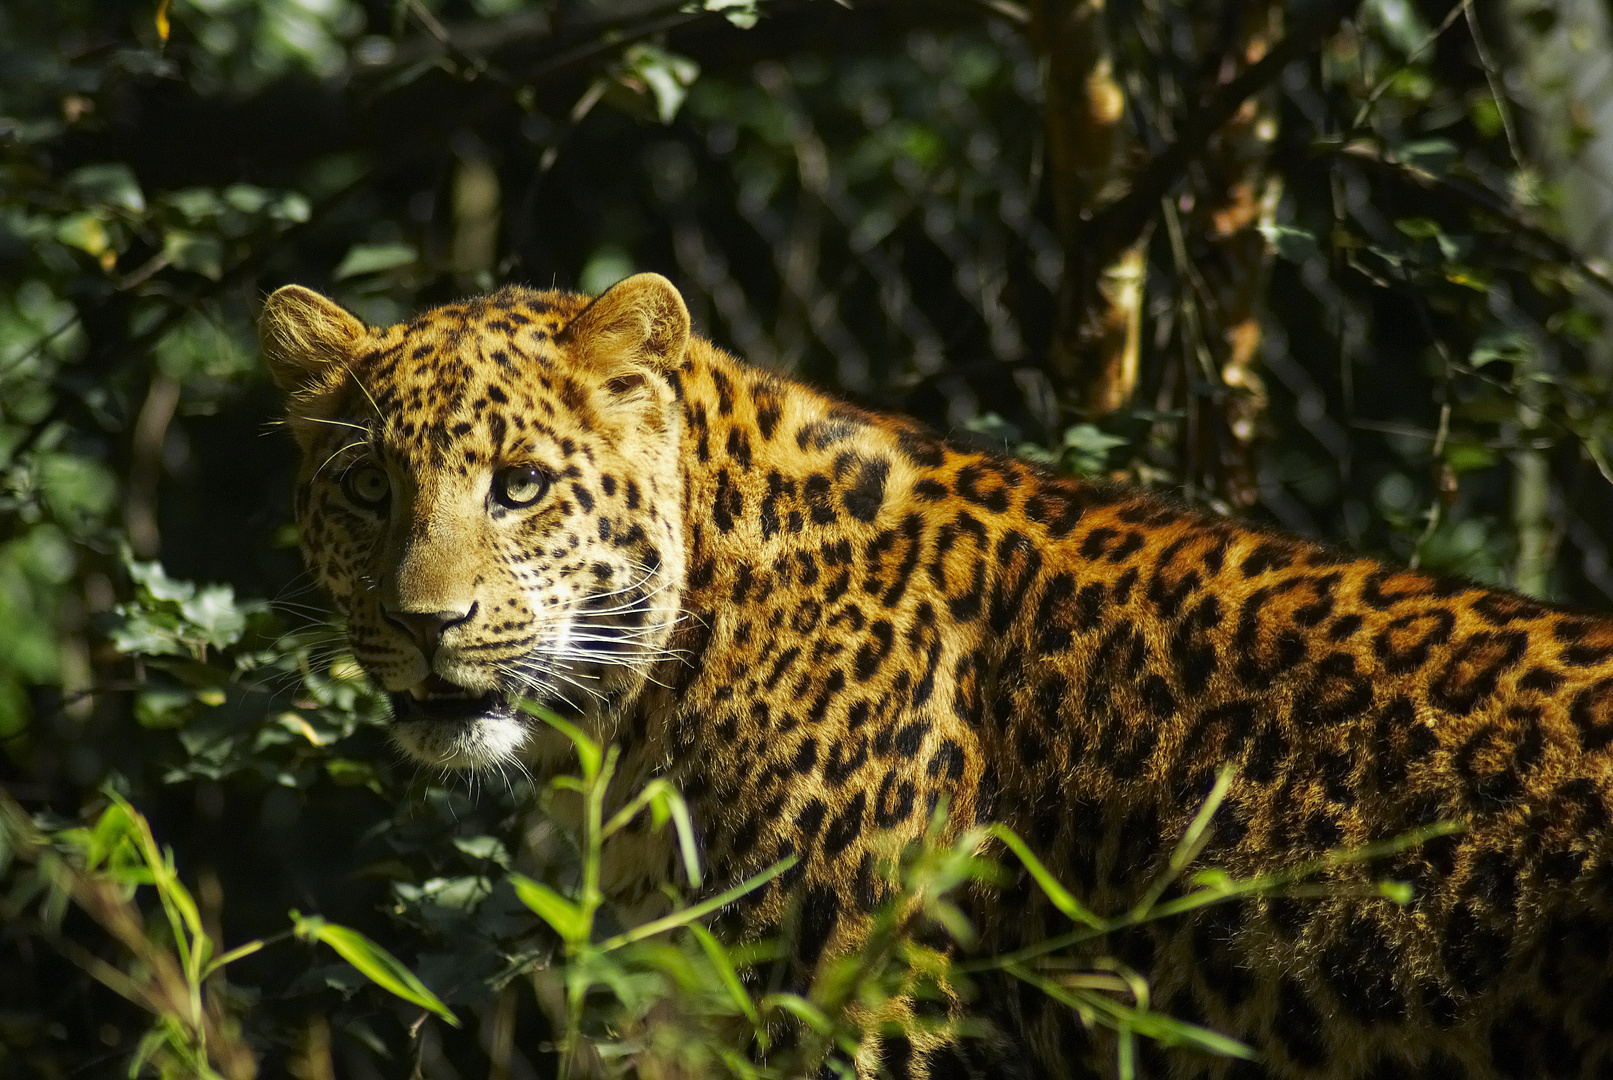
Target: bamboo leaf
column 690, row 914
column 725, row 968
column 374, row 962
column 802, row 1009
column 567, row 919
column 233, row 955
column 1057, row 893
column 588, row 751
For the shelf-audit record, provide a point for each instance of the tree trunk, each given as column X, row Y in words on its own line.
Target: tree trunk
column 1091, row 156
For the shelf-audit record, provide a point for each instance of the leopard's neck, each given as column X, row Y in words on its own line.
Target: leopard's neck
column 781, row 481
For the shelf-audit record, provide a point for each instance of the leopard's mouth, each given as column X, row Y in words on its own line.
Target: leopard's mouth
column 435, row 698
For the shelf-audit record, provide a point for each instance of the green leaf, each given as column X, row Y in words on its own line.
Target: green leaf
column 1295, row 245
column 196, row 204
column 155, row 580
column 994, row 427
column 214, row 611
column 1431, row 155
column 112, row 183
column 742, row 13
column 687, row 916
column 567, row 919
column 1400, row 22
column 588, row 751
column 349, row 773
column 292, row 206
column 668, row 76
column 378, row 965
column 1055, row 892
column 1091, row 440
column 1465, row 457
column 1400, row 892
column 78, row 489
column 1086, row 448
column 157, row 708
column 608, row 264
column 1118, row 1015
column 1505, row 345
column 86, row 231
column 147, row 633
column 725, row 970
column 15, row 709
column 374, row 258
column 490, row 848
column 247, row 198
column 200, row 253
column 801, row 1009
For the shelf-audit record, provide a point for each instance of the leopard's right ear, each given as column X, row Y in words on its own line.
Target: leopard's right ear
column 308, row 341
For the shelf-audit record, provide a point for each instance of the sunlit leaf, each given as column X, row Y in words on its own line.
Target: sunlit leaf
column 112, row 183
column 86, row 231
column 725, row 970
column 588, row 750
column 199, row 253
column 1060, row 897
column 567, row 919
column 742, row 13
column 490, row 848
column 378, row 965
column 667, row 75
column 374, row 258
column 1295, row 245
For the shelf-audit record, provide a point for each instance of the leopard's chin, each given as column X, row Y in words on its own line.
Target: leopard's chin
column 434, row 698
column 440, row 723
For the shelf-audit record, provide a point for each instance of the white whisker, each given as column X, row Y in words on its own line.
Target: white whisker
column 339, row 423
column 356, row 444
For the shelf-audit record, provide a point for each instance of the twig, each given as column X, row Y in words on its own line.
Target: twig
column 1497, row 91
column 1388, row 80
column 1099, row 240
column 1004, row 9
column 1478, row 195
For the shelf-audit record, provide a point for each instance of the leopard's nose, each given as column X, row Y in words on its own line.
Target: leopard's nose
column 426, row 627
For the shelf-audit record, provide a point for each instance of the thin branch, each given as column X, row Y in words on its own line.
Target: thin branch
column 1100, row 240
column 1477, row 195
column 1422, row 46
column 1492, row 74
column 597, row 48
column 1004, row 9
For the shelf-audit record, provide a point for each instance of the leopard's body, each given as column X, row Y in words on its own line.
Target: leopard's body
column 820, row 621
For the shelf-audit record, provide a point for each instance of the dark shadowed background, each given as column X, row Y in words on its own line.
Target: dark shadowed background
column 1339, row 269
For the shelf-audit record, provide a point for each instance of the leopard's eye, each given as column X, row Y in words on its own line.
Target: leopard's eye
column 367, row 485
column 520, row 485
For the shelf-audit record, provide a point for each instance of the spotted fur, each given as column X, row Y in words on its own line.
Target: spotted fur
column 819, row 622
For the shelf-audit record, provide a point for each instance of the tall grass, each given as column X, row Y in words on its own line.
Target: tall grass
column 664, row 997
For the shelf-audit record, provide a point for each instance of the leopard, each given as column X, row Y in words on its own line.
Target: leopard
column 821, row 623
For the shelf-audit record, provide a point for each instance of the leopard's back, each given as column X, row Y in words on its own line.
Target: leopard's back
column 1358, row 703
column 1079, row 661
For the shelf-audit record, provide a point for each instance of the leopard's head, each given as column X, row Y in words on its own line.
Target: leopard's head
column 492, row 496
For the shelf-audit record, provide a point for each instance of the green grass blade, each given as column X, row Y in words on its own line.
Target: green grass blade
column 725, row 968
column 1061, row 897
column 1163, row 1029
column 802, row 1009
column 588, row 751
column 705, row 907
column 567, row 918
column 374, row 962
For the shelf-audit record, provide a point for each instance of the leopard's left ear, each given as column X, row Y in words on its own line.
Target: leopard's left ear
column 308, row 340
column 639, row 322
